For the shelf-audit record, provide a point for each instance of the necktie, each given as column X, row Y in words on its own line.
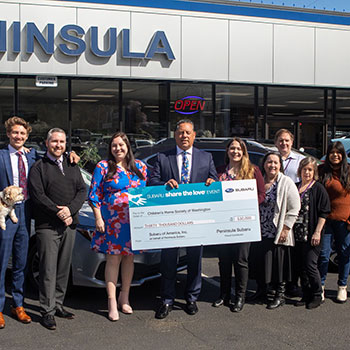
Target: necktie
column 22, row 174
column 60, row 165
column 185, row 171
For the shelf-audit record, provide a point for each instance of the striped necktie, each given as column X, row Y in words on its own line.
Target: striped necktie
column 185, row 171
column 60, row 165
column 22, row 178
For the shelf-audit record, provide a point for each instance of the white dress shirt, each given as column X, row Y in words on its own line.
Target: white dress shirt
column 179, row 156
column 14, row 163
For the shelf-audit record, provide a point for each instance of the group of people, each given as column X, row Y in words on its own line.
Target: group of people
column 303, row 208
column 54, row 192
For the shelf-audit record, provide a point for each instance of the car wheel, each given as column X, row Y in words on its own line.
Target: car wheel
column 33, row 265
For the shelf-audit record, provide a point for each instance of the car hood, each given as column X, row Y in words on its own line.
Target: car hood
column 86, row 216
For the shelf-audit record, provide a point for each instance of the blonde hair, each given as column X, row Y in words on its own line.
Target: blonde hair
column 246, row 170
column 283, row 131
column 11, row 122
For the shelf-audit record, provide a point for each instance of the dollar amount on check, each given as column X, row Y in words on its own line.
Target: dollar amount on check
column 194, row 214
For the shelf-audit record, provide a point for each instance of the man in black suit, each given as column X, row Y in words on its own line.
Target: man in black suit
column 184, row 164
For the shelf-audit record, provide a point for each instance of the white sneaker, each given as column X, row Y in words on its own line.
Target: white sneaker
column 342, row 294
column 322, row 295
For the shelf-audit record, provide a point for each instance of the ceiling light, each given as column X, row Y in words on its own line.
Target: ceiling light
column 104, row 90
column 80, row 100
column 304, row 102
column 229, row 93
column 272, row 105
column 96, row 96
column 282, row 114
column 320, row 111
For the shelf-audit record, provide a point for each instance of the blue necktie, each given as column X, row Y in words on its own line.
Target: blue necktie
column 185, row 171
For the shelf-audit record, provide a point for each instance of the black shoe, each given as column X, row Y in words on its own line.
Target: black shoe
column 191, row 308
column 48, row 321
column 238, row 305
column 163, row 311
column 293, row 292
column 64, row 314
column 276, row 302
column 259, row 296
column 301, row 302
column 221, row 301
column 315, row 302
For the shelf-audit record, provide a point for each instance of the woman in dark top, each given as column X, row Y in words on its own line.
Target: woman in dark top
column 335, row 176
column 238, row 167
column 308, row 229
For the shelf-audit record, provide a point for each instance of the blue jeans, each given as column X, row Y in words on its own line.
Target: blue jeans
column 336, row 230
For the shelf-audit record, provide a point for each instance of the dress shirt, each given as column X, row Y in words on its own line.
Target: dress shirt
column 14, row 163
column 56, row 160
column 291, row 165
column 179, row 156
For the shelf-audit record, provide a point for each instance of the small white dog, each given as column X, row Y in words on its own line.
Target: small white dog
column 8, row 198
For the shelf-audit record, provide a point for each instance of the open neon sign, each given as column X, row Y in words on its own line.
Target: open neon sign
column 189, row 105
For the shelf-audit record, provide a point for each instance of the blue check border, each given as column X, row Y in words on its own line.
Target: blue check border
column 294, row 15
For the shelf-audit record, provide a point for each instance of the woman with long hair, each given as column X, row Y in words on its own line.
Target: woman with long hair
column 308, row 231
column 335, row 176
column 238, row 167
column 108, row 197
column 278, row 213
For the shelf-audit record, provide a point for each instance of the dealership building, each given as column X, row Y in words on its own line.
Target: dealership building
column 234, row 68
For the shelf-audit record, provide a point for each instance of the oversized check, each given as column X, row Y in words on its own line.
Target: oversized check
column 194, row 214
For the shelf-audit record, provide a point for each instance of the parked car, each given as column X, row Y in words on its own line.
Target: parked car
column 88, row 266
column 216, row 146
column 346, row 143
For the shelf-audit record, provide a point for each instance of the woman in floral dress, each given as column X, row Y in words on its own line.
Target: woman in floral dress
column 108, row 197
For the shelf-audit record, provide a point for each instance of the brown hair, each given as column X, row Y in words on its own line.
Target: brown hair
column 129, row 158
column 272, row 153
column 283, row 131
column 306, row 161
column 247, row 170
column 11, row 122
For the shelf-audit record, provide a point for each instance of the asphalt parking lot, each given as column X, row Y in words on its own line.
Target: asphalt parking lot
column 255, row 328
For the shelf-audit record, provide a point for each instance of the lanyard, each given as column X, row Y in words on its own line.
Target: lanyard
column 303, row 193
column 289, row 160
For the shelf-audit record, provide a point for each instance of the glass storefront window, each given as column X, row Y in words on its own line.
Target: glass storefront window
column 342, row 113
column 235, row 111
column 6, row 106
column 301, row 111
column 144, row 109
column 95, row 118
column 44, row 108
column 202, row 107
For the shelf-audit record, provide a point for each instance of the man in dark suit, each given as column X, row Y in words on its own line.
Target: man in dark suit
column 185, row 164
column 14, row 167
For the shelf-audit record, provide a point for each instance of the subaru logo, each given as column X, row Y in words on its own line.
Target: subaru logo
column 229, row 190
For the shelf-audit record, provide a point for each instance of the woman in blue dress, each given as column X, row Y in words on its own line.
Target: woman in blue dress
column 108, row 197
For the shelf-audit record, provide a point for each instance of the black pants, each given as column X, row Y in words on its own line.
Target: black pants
column 307, row 258
column 236, row 254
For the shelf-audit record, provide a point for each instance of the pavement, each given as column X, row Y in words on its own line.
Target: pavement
column 255, row 327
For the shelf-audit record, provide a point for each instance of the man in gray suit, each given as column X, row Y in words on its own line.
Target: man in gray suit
column 58, row 191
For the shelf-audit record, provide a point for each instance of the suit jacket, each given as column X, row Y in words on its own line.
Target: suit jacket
column 166, row 168
column 6, row 174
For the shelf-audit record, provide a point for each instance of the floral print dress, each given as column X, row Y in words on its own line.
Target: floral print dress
column 111, row 196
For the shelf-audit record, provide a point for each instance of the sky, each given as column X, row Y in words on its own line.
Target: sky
column 329, row 5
